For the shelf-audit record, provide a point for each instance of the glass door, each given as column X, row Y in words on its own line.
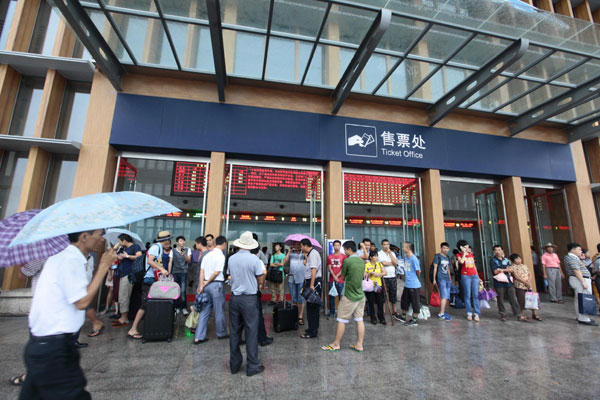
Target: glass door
column 550, row 218
column 491, row 227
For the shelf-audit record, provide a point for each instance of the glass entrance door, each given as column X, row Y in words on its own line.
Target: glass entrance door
column 549, row 216
column 491, row 227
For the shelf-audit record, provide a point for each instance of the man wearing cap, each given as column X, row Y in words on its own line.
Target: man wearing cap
column 153, row 261
column 246, row 275
column 553, row 273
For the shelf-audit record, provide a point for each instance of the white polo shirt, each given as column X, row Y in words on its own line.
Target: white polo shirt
column 212, row 262
column 63, row 282
column 390, row 270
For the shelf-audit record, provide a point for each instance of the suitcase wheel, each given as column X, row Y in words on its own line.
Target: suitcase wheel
column 169, row 340
column 278, row 328
column 296, row 326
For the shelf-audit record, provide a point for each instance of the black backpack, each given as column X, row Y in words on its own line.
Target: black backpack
column 431, row 271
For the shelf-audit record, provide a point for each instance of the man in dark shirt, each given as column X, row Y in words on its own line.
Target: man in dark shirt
column 129, row 253
column 501, row 265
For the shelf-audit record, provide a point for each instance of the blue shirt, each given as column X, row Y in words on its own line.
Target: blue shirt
column 244, row 267
column 502, row 264
column 157, row 251
column 411, row 266
column 125, row 264
column 296, row 267
column 443, row 262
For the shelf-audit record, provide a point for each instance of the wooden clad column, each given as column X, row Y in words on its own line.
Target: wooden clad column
column 334, row 200
column 564, row 7
column 516, row 216
column 546, row 5
column 9, row 86
column 22, row 25
column 584, row 225
column 592, row 149
column 97, row 159
column 215, row 195
column 433, row 217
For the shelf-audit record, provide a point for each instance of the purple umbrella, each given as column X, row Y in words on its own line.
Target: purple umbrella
column 296, row 237
column 24, row 253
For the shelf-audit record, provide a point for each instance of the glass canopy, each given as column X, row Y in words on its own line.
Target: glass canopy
column 429, row 48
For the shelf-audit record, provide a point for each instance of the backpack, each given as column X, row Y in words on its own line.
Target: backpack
column 431, row 270
column 138, row 270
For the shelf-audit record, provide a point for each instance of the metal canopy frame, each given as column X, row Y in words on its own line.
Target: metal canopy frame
column 567, row 52
column 216, row 38
column 476, row 81
column 91, row 38
column 557, row 105
column 361, row 57
column 585, row 131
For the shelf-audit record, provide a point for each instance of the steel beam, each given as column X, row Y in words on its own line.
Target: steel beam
column 268, row 38
column 216, row 37
column 477, row 80
column 168, row 33
column 557, row 105
column 586, row 130
column 91, row 38
column 361, row 57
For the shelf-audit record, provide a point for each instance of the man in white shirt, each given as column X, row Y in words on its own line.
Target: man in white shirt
column 212, row 283
column 57, row 314
column 387, row 257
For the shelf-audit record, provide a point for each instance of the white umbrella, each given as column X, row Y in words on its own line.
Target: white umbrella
column 112, row 236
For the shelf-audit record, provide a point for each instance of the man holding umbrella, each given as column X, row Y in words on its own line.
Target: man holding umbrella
column 57, row 314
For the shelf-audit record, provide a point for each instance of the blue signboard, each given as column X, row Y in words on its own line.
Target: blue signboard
column 151, row 123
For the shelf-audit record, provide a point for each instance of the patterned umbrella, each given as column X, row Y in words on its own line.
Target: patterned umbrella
column 296, row 237
column 24, row 253
column 96, row 211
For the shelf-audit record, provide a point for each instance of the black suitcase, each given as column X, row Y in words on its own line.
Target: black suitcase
column 159, row 320
column 285, row 316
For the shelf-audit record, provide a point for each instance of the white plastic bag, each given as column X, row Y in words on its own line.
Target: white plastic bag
column 333, row 291
column 484, row 304
column 424, row 314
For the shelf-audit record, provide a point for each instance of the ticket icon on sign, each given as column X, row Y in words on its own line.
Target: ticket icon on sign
column 362, row 141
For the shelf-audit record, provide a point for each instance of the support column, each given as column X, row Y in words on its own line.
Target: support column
column 516, row 217
column 581, row 202
column 334, row 200
column 546, row 5
column 216, row 194
column 433, row 218
column 9, row 86
column 97, row 159
column 564, row 7
column 22, row 25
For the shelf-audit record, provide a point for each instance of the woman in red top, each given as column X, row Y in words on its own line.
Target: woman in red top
column 469, row 280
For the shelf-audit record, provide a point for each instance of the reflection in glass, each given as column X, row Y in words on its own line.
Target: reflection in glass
column 180, row 183
column 12, row 172
column 300, row 17
column 347, row 25
column 287, row 59
column 79, row 51
column 60, row 179
column 185, row 8
column 108, row 33
column 7, row 11
column 251, row 13
column 325, row 69
column 73, row 111
column 26, row 106
column 45, row 30
column 480, row 50
column 193, row 46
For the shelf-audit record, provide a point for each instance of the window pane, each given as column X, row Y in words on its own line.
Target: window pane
column 348, row 25
column 480, row 50
column 327, row 68
column 108, row 33
column 252, row 13
column 439, row 42
column 400, row 34
column 300, row 17
column 193, row 46
column 248, row 53
column 45, row 30
column 405, row 78
column 12, row 172
column 73, row 111
column 374, row 71
column 60, row 179
column 185, row 8
column 26, row 107
column 7, row 11
column 282, row 62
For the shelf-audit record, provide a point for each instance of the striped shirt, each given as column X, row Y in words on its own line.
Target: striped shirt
column 573, row 263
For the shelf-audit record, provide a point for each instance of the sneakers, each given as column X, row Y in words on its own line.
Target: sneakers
column 185, row 311
column 447, row 317
column 442, row 316
column 589, row 323
column 399, row 317
column 412, row 322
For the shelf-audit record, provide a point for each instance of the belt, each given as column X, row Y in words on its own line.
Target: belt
column 62, row 336
column 244, row 294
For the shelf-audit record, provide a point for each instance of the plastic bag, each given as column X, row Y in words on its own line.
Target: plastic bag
column 192, row 320
column 333, row 291
column 484, row 304
column 532, row 301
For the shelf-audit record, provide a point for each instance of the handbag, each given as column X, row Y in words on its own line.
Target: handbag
column 311, row 296
column 587, row 304
column 275, row 275
column 333, row 291
column 192, row 320
column 367, row 285
column 434, row 299
column 532, row 301
column 164, row 288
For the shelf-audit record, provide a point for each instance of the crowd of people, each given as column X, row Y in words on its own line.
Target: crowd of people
column 361, row 279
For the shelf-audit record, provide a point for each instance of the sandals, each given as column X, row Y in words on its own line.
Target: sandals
column 469, row 318
column 135, row 336
column 476, row 318
column 523, row 319
column 118, row 324
column 353, row 347
column 537, row 318
column 329, row 348
column 96, row 332
column 305, row 336
column 18, row 380
column 300, row 321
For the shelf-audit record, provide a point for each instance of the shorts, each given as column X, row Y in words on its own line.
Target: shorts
column 444, row 287
column 348, row 309
column 145, row 291
column 391, row 285
column 410, row 297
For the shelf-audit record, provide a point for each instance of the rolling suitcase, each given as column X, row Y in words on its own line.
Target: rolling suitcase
column 159, row 320
column 285, row 316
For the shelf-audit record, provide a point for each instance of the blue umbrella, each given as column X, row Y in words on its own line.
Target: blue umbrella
column 96, row 211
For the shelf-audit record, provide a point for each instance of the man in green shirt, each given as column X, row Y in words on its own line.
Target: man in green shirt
column 353, row 300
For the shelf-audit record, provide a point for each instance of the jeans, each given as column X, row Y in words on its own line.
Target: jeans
column 312, row 310
column 181, row 279
column 444, row 287
column 216, row 292
column 53, row 370
column 295, row 289
column 470, row 286
column 339, row 287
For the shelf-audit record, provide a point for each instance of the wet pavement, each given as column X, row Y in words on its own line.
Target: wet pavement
column 553, row 359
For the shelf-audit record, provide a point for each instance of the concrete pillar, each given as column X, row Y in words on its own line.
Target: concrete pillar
column 215, row 194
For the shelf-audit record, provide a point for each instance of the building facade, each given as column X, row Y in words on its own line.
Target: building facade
column 318, row 117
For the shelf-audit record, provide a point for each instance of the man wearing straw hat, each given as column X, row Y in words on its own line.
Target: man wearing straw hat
column 553, row 273
column 246, row 275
